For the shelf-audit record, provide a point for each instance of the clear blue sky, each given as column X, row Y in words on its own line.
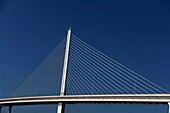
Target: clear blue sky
column 134, row 32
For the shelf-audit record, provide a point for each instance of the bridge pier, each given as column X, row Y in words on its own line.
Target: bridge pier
column 61, row 107
column 0, row 108
column 10, row 109
column 168, row 107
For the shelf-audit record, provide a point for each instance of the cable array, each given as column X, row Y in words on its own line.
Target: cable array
column 45, row 80
column 92, row 72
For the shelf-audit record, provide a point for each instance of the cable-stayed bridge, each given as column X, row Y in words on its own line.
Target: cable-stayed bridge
column 75, row 72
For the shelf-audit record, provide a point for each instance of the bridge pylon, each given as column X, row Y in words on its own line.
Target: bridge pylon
column 64, row 73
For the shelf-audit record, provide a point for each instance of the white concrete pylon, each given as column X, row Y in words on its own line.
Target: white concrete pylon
column 168, row 107
column 63, row 82
column 64, row 74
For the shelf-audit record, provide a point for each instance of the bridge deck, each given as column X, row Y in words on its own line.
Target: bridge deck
column 129, row 99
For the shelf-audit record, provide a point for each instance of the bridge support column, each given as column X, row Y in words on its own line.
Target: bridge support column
column 0, row 109
column 168, row 107
column 10, row 109
column 61, row 107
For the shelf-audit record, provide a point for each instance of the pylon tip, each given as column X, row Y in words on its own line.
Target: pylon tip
column 69, row 28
